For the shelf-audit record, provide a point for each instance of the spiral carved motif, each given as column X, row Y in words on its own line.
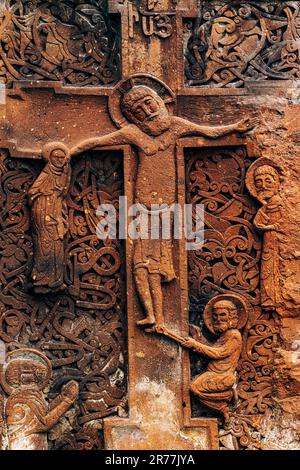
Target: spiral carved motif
column 81, row 330
column 233, row 42
column 71, row 42
column 229, row 262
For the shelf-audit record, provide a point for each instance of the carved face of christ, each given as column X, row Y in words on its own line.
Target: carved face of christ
column 151, row 116
column 147, row 110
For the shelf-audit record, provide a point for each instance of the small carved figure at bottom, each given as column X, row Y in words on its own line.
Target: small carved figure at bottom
column 224, row 316
column 25, row 375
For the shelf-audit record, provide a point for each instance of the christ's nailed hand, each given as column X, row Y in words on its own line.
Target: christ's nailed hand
column 247, row 124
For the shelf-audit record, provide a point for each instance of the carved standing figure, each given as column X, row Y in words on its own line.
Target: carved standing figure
column 224, row 316
column 279, row 275
column 50, row 218
column 146, row 123
column 26, row 373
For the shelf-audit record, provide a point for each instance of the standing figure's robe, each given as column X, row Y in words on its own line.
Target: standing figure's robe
column 50, row 224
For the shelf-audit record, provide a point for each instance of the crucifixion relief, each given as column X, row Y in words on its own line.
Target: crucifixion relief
column 139, row 107
column 147, row 124
column 143, row 339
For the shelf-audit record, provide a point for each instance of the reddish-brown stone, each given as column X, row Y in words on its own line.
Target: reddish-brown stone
column 163, row 102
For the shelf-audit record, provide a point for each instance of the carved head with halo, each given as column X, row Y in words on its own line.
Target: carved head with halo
column 57, row 154
column 142, row 100
column 225, row 312
column 144, row 107
column 263, row 180
column 224, row 316
column 25, row 368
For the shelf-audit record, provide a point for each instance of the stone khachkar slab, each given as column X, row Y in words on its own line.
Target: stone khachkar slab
column 143, row 344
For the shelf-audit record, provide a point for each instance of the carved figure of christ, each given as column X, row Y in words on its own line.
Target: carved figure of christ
column 154, row 132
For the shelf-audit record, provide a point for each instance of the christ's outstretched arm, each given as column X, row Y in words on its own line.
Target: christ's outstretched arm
column 190, row 128
column 114, row 138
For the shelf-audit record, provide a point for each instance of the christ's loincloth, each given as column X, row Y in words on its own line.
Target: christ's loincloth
column 155, row 254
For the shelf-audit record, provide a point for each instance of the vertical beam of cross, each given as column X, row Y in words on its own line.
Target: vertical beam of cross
column 158, row 382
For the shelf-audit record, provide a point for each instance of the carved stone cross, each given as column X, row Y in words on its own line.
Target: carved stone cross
column 133, row 123
column 158, row 376
column 158, row 368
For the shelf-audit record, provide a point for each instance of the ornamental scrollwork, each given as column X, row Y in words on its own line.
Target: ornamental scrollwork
column 233, row 42
column 229, row 264
column 79, row 330
column 70, row 42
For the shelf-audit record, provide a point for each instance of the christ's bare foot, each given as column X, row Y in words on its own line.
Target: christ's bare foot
column 148, row 321
column 151, row 329
column 160, row 328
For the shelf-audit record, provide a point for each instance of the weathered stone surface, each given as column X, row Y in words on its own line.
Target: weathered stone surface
column 164, row 102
